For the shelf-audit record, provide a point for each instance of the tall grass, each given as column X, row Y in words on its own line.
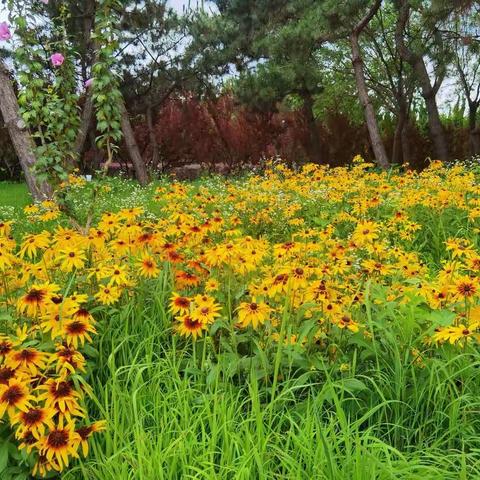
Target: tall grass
column 170, row 418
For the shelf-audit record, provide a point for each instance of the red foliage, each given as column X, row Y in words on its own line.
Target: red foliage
column 226, row 136
column 221, row 132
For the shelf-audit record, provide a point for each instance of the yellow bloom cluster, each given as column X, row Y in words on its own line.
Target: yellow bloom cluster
column 296, row 247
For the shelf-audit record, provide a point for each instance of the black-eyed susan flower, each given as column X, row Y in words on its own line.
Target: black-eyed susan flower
column 108, row 295
column 62, row 396
column 71, row 258
column 189, row 326
column 36, row 299
column 60, row 444
column 86, row 431
column 35, row 420
column 27, row 360
column 253, row 313
column 68, row 360
column 148, row 267
column 14, row 396
column 179, row 304
column 78, row 329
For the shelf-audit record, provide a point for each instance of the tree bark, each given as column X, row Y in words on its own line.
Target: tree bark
column 378, row 147
column 88, row 58
column 406, row 149
column 428, row 91
column 398, row 154
column 315, row 145
column 132, row 147
column 397, row 140
column 474, row 130
column 20, row 136
column 86, row 121
column 153, row 139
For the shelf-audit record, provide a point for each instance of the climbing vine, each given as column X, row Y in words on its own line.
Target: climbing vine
column 48, row 96
column 107, row 97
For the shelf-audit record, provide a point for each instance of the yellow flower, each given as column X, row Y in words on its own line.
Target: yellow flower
column 36, row 299
column 71, row 258
column 180, row 304
column 34, row 420
column 60, row 444
column 253, row 313
column 188, row 326
column 148, row 267
column 108, row 295
column 32, row 243
column 14, row 396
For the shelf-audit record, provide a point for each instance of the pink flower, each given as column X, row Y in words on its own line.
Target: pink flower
column 44, row 1
column 57, row 59
column 89, row 83
column 5, row 31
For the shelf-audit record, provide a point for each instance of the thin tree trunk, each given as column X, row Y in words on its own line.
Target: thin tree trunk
column 406, row 150
column 21, row 139
column 132, row 147
column 474, row 130
column 398, row 154
column 153, row 139
column 212, row 111
column 435, row 127
column 85, row 123
column 429, row 93
column 89, row 58
column 378, row 147
column 397, row 139
column 315, row 145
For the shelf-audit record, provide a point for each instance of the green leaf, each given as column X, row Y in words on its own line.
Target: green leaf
column 3, row 455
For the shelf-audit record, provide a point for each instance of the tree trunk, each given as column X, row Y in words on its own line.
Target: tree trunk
column 406, row 150
column 378, row 147
column 397, row 140
column 212, row 111
column 429, row 93
column 315, row 145
column 132, row 147
column 474, row 130
column 435, row 127
column 398, row 155
column 153, row 139
column 86, row 121
column 21, row 139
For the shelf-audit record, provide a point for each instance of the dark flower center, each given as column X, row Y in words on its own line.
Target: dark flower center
column 58, row 439
column 76, row 327
column 84, row 432
column 35, row 296
column 191, row 324
column 5, row 375
column 62, row 390
column 33, row 416
column 12, row 395
column 26, row 355
column 57, row 299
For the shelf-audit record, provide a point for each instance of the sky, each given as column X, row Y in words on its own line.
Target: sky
column 176, row 4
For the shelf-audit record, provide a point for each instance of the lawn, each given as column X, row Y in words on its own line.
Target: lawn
column 314, row 324
column 14, row 195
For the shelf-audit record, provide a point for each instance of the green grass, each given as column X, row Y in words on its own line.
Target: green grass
column 170, row 418
column 14, row 195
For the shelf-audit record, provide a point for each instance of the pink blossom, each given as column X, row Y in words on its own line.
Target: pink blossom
column 89, row 83
column 57, row 59
column 5, row 31
column 44, row 1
